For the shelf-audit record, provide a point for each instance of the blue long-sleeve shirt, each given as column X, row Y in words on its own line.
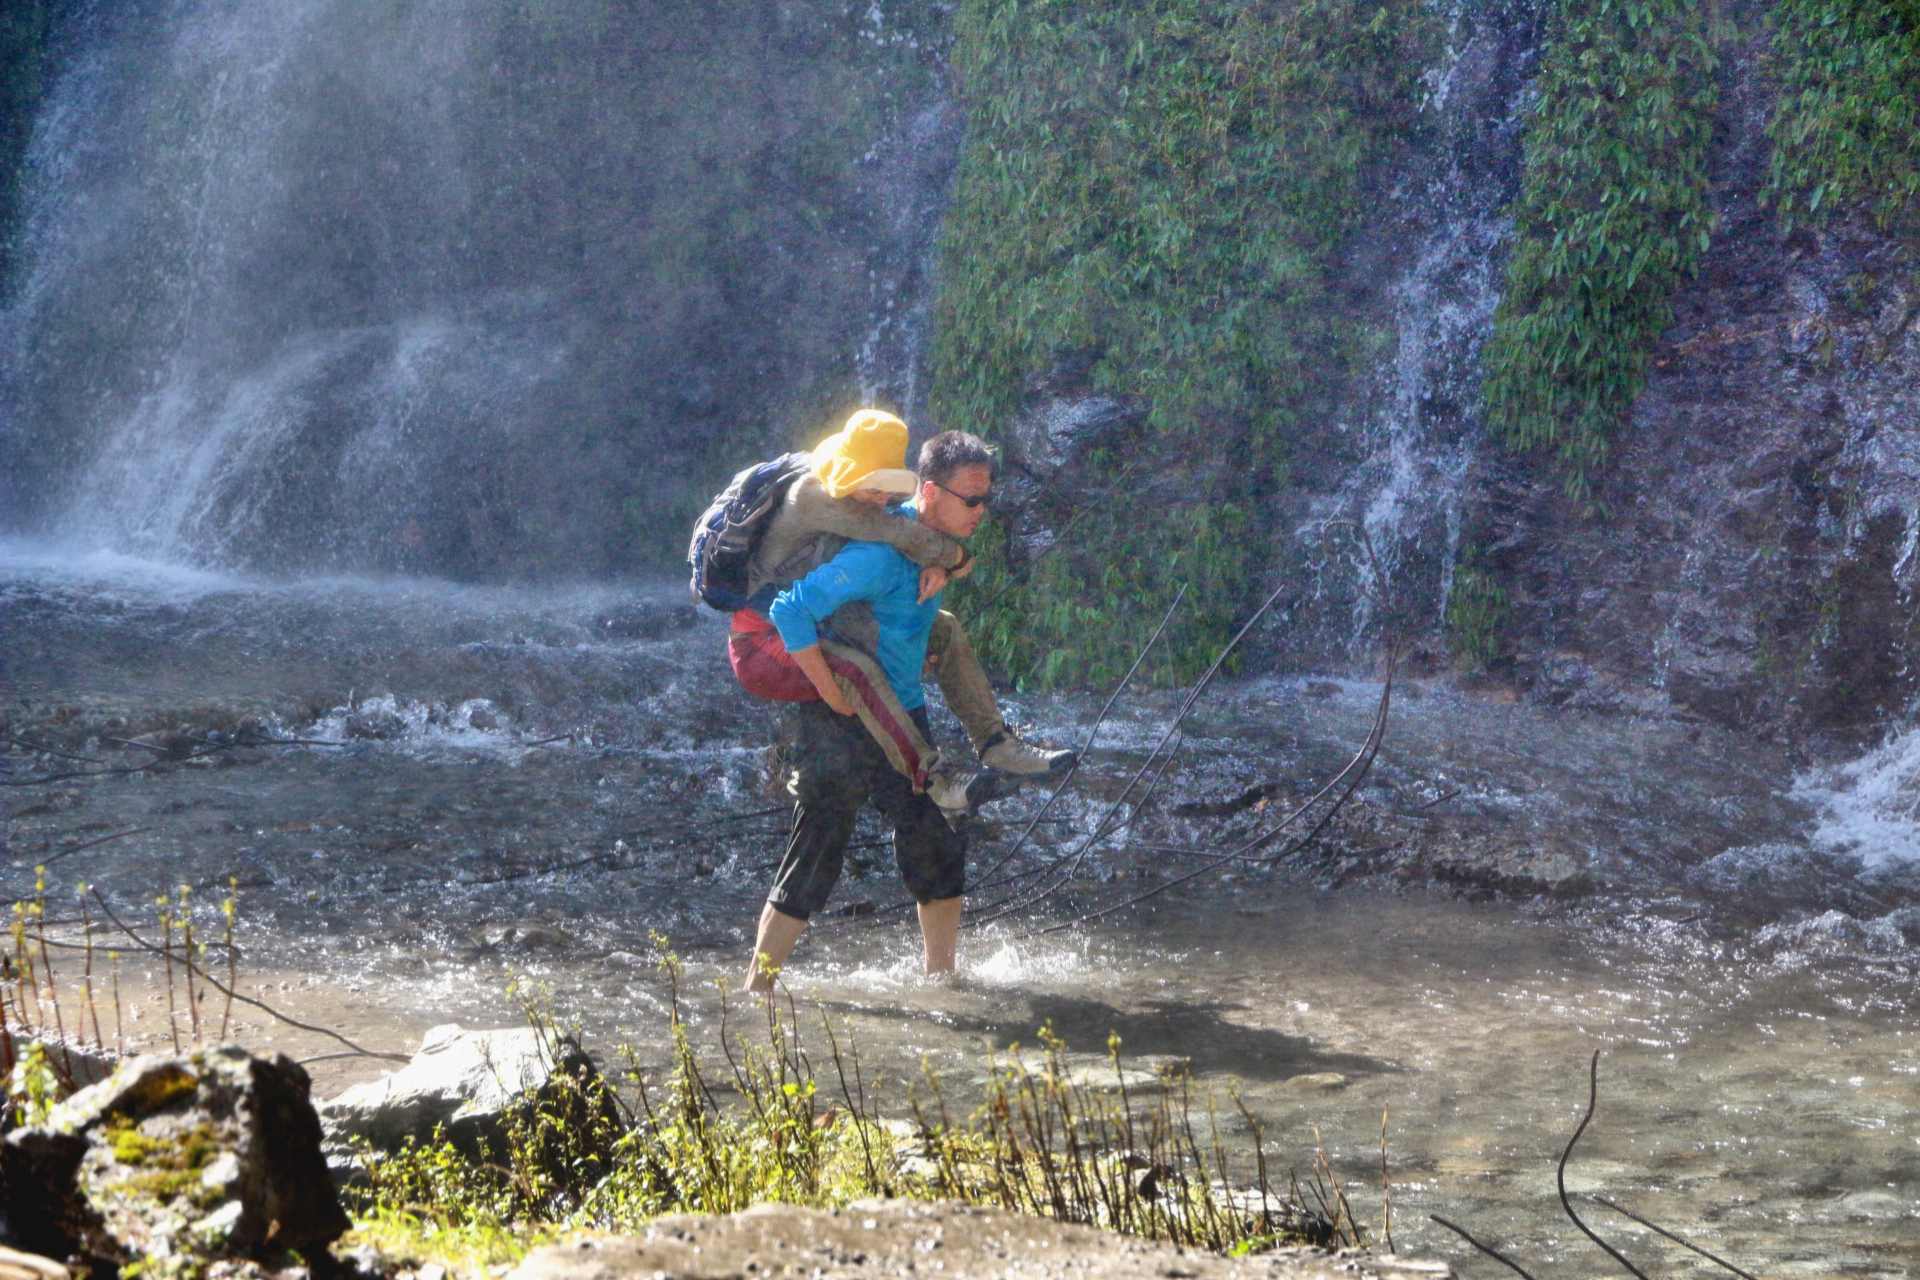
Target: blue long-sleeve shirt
column 887, row 580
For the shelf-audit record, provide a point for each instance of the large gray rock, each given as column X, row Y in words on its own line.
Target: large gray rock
column 466, row 1082
column 875, row 1238
column 216, row 1153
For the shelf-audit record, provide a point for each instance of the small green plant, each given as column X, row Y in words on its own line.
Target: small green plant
column 34, row 1087
column 1061, row 1143
column 582, row 1156
column 1846, row 126
column 1477, row 607
column 1612, row 214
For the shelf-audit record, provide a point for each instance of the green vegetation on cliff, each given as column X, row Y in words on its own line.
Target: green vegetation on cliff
column 1155, row 197
column 1477, row 612
column 1612, row 214
column 1846, row 127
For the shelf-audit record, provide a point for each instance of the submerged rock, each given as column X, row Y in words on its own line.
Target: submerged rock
column 467, row 1082
column 645, row 620
column 216, row 1153
column 901, row 1237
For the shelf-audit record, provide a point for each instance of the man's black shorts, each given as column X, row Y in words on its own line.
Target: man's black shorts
column 841, row 768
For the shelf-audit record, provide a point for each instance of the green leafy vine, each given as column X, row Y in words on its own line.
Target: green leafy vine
column 1846, row 126
column 1612, row 214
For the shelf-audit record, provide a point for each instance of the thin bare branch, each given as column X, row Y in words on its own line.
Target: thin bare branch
column 1489, row 1250
column 262, row 1005
column 1682, row 1241
column 1593, row 1100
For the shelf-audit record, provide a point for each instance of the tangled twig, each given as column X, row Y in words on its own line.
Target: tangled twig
column 1359, row 766
column 1489, row 1250
column 98, row 840
column 1101, row 829
column 1092, row 733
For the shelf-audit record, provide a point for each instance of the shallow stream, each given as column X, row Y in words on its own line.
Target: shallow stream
column 1514, row 888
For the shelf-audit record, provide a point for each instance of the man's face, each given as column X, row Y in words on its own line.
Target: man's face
column 942, row 509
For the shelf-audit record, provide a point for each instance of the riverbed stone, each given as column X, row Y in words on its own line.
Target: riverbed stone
column 873, row 1238
column 465, row 1082
column 209, row 1154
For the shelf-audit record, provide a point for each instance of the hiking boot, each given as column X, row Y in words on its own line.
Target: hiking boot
column 1023, row 760
column 959, row 790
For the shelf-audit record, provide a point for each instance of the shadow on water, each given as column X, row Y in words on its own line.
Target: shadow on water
column 1200, row 1032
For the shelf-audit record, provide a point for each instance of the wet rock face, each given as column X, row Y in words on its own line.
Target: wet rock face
column 1752, row 559
column 212, row 1154
column 645, row 620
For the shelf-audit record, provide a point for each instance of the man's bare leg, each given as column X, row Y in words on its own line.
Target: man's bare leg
column 778, row 934
column 939, row 933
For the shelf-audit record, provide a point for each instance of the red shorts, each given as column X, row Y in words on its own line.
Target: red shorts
column 765, row 669
column 762, row 664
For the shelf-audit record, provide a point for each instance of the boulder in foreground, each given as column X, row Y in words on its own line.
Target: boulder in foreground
column 896, row 1238
column 468, row 1082
column 213, row 1153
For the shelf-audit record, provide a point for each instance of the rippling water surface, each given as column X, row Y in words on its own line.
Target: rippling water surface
column 1726, row 922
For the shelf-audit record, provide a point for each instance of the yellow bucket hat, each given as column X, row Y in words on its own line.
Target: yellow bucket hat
column 870, row 452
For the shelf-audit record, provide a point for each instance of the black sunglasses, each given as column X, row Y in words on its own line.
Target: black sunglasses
column 977, row 500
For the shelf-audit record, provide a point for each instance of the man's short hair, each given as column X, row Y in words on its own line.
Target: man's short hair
column 953, row 451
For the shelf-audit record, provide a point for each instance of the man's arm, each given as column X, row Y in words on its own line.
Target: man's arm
column 814, row 663
column 858, row 522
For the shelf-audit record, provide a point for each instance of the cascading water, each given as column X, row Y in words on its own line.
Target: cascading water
column 454, row 287
column 1406, row 492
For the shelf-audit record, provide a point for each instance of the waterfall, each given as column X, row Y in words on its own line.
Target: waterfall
column 1406, row 490
column 455, row 286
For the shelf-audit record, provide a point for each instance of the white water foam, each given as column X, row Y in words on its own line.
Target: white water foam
column 1405, row 495
column 37, row 560
column 1869, row 808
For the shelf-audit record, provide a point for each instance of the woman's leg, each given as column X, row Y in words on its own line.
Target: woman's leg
column 969, row 696
column 965, row 686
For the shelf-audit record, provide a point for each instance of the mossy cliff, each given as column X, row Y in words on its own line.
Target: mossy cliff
column 1612, row 213
column 1594, row 315
column 1738, row 548
column 1177, row 282
column 1153, row 207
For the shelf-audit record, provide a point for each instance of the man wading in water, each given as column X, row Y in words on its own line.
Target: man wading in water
column 839, row 766
column 842, row 497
